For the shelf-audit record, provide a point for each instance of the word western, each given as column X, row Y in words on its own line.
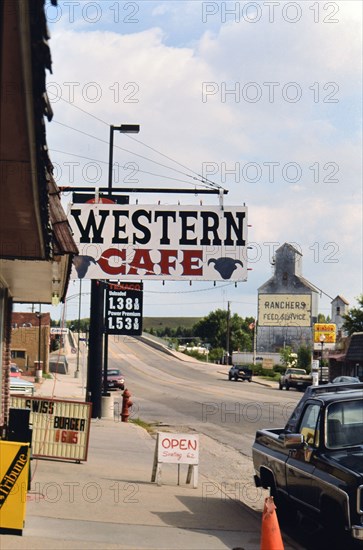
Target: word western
column 175, row 227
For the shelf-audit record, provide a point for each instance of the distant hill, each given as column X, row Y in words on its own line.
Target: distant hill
column 171, row 322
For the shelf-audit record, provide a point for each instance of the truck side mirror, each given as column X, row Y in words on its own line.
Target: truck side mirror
column 293, row 441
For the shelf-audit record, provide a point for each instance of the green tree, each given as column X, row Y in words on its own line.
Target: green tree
column 353, row 320
column 288, row 357
column 213, row 329
column 323, row 318
column 215, row 355
column 304, row 358
column 83, row 325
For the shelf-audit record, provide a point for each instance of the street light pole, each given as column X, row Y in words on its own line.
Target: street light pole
column 228, row 331
column 76, row 374
column 124, row 129
column 39, row 316
column 322, row 340
column 39, row 337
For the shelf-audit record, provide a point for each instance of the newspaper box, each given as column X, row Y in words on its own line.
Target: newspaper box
column 14, row 469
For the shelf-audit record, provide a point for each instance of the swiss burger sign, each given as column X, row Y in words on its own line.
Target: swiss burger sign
column 159, row 242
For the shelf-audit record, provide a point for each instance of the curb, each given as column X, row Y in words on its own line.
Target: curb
column 259, row 382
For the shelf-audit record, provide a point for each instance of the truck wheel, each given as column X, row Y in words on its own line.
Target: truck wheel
column 280, row 386
column 285, row 511
column 332, row 516
column 236, row 378
column 229, row 377
column 287, row 386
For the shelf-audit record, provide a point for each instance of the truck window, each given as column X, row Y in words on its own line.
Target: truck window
column 344, row 424
column 309, row 425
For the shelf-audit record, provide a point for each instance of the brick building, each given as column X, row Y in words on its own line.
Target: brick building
column 30, row 339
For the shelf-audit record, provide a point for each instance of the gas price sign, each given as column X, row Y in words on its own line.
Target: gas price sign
column 124, row 308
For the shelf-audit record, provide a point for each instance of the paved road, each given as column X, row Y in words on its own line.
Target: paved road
column 198, row 395
column 181, row 394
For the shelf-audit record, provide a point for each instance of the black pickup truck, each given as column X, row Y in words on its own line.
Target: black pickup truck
column 315, row 463
column 240, row 372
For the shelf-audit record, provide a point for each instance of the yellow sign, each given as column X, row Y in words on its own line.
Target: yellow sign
column 60, row 428
column 328, row 330
column 14, row 471
column 284, row 310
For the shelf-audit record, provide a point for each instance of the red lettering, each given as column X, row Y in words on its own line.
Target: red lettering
column 104, row 264
column 192, row 444
column 183, row 444
column 190, row 262
column 124, row 286
column 165, row 443
column 165, row 263
column 141, row 260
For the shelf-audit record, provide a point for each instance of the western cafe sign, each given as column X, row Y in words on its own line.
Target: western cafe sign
column 160, row 242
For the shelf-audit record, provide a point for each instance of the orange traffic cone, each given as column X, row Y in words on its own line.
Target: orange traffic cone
column 271, row 536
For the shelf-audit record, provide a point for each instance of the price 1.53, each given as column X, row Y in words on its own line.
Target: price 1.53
column 126, row 323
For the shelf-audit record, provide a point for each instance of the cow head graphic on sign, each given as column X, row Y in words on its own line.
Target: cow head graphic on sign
column 225, row 266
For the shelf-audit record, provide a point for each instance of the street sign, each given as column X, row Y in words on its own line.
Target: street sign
column 58, row 330
column 124, row 309
column 324, row 332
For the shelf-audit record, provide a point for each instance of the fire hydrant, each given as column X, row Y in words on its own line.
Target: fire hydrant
column 126, row 404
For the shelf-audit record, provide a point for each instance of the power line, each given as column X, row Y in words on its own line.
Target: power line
column 198, row 178
column 125, row 168
column 137, row 155
column 212, row 183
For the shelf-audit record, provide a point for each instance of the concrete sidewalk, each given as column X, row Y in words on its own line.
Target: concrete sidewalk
column 110, row 502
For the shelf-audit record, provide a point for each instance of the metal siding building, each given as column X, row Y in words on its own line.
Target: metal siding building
column 288, row 304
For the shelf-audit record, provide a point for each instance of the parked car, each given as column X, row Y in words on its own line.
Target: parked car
column 346, row 380
column 115, row 380
column 15, row 372
column 18, row 386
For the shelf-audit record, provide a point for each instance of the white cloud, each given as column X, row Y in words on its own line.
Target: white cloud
column 142, row 78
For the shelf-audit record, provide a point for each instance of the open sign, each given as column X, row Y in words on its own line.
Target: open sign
column 178, row 448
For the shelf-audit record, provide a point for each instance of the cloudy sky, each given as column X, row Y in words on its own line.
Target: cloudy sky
column 262, row 98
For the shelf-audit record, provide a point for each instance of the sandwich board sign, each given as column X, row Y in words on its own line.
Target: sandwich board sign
column 177, row 449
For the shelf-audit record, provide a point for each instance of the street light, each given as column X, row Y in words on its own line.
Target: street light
column 322, row 340
column 76, row 374
column 39, row 317
column 124, row 129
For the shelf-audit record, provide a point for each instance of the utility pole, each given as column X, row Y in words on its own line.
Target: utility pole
column 95, row 348
column 228, row 330
column 76, row 374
